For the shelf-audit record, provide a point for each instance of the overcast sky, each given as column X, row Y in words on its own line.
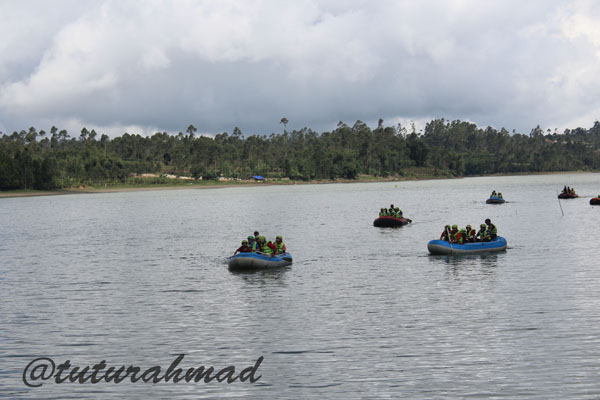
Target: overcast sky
column 147, row 66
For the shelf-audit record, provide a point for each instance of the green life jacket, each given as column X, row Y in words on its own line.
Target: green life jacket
column 445, row 236
column 266, row 249
column 462, row 236
column 279, row 247
column 493, row 230
column 255, row 246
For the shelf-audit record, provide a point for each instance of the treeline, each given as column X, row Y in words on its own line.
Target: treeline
column 39, row 160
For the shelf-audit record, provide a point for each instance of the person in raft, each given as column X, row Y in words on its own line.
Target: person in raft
column 266, row 247
column 493, row 193
column 382, row 212
column 500, row 195
column 262, row 245
column 279, row 245
column 253, row 243
column 482, row 234
column 460, row 237
column 271, row 246
column 453, row 233
column 446, row 234
column 470, row 234
column 492, row 230
column 244, row 248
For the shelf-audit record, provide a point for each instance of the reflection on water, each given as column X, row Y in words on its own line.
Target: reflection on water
column 263, row 276
column 363, row 312
column 468, row 265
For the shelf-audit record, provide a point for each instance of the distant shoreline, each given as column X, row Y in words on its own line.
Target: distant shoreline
column 218, row 185
column 215, row 185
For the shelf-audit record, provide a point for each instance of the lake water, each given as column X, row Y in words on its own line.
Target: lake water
column 138, row 278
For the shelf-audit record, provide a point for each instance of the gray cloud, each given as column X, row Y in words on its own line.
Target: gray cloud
column 160, row 65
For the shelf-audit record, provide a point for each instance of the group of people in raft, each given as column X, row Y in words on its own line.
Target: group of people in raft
column 494, row 194
column 568, row 190
column 487, row 232
column 259, row 244
column 395, row 212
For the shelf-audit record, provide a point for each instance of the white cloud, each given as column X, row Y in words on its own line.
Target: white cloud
column 75, row 125
column 220, row 64
column 155, row 58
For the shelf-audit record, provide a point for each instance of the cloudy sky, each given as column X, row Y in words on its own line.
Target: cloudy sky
column 147, row 66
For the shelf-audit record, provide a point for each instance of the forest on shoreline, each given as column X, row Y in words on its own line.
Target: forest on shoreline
column 32, row 159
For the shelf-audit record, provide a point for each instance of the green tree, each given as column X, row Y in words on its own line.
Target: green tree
column 284, row 121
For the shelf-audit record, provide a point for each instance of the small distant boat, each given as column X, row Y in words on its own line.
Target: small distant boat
column 441, row 247
column 390, row 222
column 568, row 196
column 249, row 261
column 495, row 200
column 595, row 201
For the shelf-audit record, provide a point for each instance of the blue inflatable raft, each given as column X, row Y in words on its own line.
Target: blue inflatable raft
column 441, row 247
column 495, row 200
column 244, row 261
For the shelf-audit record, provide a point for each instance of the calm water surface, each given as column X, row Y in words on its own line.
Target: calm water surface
column 138, row 278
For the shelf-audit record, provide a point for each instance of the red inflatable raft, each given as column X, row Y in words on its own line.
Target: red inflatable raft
column 568, row 196
column 389, row 222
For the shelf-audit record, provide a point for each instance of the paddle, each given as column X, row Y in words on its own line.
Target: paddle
column 450, row 241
